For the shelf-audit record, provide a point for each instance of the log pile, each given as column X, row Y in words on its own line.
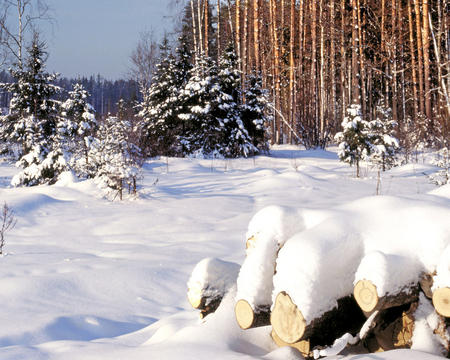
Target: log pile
column 320, row 288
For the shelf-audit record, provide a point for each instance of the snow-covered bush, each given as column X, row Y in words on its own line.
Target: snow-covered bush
column 442, row 176
column 114, row 157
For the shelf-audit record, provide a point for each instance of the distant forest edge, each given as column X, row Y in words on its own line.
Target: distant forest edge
column 105, row 94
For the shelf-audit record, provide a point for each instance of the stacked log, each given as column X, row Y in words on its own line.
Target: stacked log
column 313, row 286
column 269, row 229
column 211, row 279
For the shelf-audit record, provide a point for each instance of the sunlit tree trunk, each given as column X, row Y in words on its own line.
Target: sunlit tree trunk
column 413, row 60
column 426, row 58
column 419, row 55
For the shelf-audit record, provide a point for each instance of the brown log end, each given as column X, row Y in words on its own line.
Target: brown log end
column 441, row 301
column 247, row 318
column 287, row 320
column 366, row 295
column 302, row 346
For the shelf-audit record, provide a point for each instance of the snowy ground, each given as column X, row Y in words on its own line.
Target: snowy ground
column 85, row 278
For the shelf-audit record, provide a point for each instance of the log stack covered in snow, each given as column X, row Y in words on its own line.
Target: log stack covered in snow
column 362, row 273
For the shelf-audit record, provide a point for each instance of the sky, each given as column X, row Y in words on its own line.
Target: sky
column 97, row 36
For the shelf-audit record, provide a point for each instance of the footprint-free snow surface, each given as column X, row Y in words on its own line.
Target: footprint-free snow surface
column 82, row 277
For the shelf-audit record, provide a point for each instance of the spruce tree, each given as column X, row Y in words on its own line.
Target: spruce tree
column 161, row 106
column 383, row 138
column 77, row 123
column 33, row 119
column 255, row 111
column 355, row 139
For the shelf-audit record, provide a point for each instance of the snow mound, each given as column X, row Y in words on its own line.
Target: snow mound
column 67, row 178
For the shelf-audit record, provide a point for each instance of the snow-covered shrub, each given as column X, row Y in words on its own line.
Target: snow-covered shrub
column 114, row 157
column 355, row 139
column 442, row 176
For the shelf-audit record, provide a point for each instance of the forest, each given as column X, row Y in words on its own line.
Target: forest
column 319, row 57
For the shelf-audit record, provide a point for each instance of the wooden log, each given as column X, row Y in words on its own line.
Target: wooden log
column 291, row 327
column 426, row 283
column 210, row 280
column 393, row 329
column 367, row 298
column 302, row 346
column 248, row 318
column 441, row 301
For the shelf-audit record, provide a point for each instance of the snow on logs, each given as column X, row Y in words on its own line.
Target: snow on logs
column 267, row 232
column 210, row 280
column 441, row 285
column 316, row 303
column 385, row 281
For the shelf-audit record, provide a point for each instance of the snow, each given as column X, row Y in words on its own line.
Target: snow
column 85, row 278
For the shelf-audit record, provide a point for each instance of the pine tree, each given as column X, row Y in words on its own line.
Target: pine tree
column 355, row 139
column 33, row 119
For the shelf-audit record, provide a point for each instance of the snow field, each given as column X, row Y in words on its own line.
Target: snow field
column 84, row 278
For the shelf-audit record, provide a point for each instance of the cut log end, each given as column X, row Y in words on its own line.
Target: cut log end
column 441, row 301
column 287, row 320
column 195, row 297
column 303, row 346
column 366, row 295
column 247, row 318
column 244, row 314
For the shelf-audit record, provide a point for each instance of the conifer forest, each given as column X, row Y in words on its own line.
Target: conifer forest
column 234, row 77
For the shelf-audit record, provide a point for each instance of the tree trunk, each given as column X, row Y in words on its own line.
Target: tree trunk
column 206, row 5
column 256, row 38
column 426, row 59
column 291, row 69
column 413, row 61
column 356, row 94
column 419, row 55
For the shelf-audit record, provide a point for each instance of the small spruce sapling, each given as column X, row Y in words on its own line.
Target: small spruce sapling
column 354, row 140
column 8, row 222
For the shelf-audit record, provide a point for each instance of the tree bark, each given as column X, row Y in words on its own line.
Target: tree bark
column 419, row 55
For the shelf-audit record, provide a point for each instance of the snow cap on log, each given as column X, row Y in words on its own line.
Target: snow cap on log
column 269, row 229
column 317, row 266
column 210, row 280
column 380, row 275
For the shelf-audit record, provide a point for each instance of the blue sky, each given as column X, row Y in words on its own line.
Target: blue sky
column 97, row 36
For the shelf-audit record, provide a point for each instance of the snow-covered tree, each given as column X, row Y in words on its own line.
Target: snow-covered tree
column 159, row 106
column 77, row 123
column 213, row 123
column 383, row 138
column 114, row 156
column 355, row 139
column 33, row 119
column 255, row 112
